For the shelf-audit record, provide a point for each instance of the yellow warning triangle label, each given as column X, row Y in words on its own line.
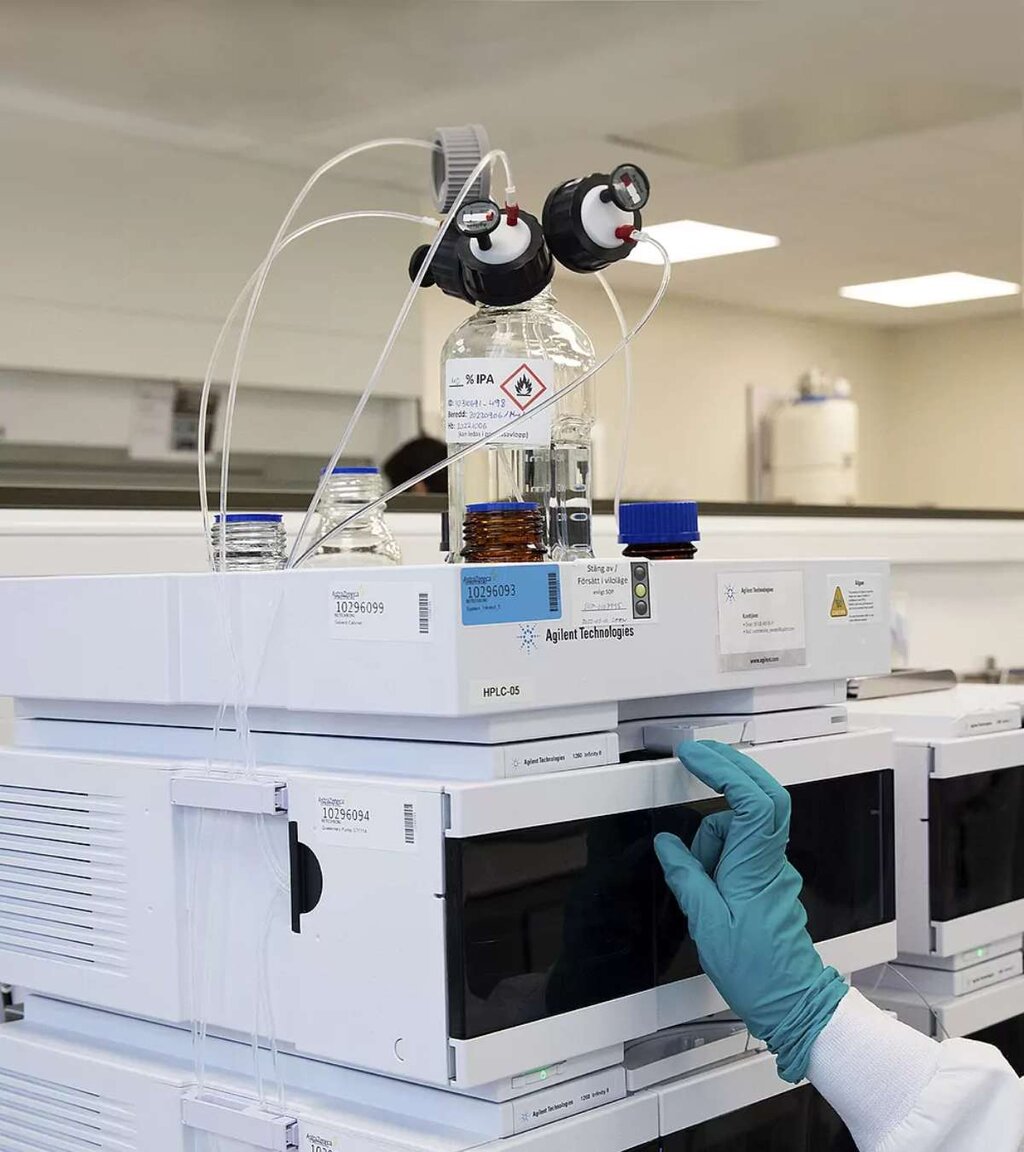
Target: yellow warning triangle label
column 839, row 608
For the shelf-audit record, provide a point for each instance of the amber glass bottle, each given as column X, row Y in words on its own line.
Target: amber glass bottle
column 503, row 533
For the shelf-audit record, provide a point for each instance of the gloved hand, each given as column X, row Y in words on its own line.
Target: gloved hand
column 741, row 898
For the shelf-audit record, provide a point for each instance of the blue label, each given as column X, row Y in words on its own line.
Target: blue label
column 510, row 594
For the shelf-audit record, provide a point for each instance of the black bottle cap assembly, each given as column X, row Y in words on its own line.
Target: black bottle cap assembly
column 588, row 222
column 490, row 255
column 505, row 258
column 445, row 269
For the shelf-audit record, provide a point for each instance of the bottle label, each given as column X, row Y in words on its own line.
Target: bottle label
column 484, row 395
column 510, row 594
column 388, row 611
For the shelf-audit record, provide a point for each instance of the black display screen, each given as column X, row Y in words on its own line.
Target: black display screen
column 1008, row 1037
column 841, row 843
column 796, row 1121
column 546, row 920
column 976, row 855
column 827, row 1133
column 781, row 1124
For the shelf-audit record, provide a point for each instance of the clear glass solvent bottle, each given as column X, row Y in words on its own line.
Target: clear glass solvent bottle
column 367, row 541
column 659, row 530
column 503, row 533
column 502, row 361
column 253, row 542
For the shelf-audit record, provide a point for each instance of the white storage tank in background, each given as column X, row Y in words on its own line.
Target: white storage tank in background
column 812, row 445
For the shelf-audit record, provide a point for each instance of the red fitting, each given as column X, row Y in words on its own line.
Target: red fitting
column 511, row 215
column 624, row 232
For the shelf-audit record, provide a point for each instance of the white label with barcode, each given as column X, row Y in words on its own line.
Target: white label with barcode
column 376, row 610
column 366, row 818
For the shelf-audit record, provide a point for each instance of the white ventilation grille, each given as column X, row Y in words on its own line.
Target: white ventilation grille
column 63, row 881
column 40, row 1116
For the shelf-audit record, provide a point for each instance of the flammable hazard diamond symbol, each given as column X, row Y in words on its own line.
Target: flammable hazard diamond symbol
column 524, row 387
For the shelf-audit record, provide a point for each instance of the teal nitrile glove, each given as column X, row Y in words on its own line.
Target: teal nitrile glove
column 741, row 897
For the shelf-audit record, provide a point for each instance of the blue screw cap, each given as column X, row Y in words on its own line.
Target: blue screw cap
column 659, row 522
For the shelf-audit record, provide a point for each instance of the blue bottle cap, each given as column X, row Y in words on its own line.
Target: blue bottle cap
column 251, row 518
column 498, row 506
column 659, row 522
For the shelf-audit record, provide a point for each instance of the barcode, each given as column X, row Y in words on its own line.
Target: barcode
column 424, row 615
column 554, row 605
column 410, row 823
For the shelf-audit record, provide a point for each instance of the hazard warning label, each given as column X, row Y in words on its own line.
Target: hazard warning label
column 854, row 598
column 484, row 395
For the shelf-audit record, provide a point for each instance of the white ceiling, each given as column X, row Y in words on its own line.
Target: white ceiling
column 878, row 138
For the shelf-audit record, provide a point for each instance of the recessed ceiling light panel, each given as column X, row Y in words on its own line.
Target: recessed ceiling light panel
column 693, row 240
column 924, row 291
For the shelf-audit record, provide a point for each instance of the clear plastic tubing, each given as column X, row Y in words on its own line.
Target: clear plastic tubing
column 428, row 221
column 666, row 275
column 464, row 191
column 627, row 400
column 249, row 542
column 366, row 541
column 264, row 271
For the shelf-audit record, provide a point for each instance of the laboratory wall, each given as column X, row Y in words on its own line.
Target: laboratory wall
column 692, row 365
column 94, row 411
column 955, row 391
column 125, row 241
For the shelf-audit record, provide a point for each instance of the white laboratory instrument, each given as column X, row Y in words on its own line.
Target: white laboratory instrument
column 319, row 825
column 495, row 927
column 72, row 1078
column 959, row 805
column 75, row 1078
column 491, row 926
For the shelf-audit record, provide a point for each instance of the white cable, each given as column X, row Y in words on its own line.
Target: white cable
column 917, row 992
column 410, row 298
column 204, row 402
column 627, row 403
column 483, row 441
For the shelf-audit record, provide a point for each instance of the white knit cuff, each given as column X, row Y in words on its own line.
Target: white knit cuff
column 870, row 1068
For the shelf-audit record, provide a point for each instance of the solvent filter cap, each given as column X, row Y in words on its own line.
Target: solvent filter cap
column 457, row 151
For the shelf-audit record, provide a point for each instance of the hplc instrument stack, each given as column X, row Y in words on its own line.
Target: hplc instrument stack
column 960, row 871
column 363, row 858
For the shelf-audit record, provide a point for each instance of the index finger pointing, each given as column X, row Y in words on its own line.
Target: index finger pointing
column 762, row 778
column 754, row 809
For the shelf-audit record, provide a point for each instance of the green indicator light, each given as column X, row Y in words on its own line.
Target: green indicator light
column 980, row 952
column 544, row 1074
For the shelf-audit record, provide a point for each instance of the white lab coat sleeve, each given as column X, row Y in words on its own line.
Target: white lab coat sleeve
column 897, row 1090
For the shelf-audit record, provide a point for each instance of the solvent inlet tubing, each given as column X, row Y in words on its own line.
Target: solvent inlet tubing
column 236, row 369
column 341, row 217
column 489, row 158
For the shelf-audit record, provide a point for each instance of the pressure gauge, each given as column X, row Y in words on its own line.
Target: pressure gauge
column 479, row 218
column 629, row 188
